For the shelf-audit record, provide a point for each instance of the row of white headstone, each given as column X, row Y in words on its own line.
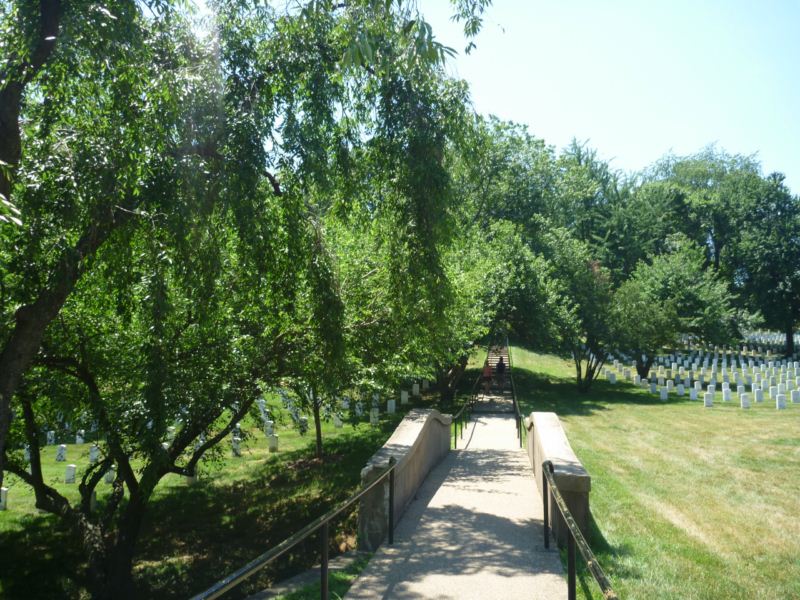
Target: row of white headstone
column 268, row 424
column 761, row 378
column 236, row 438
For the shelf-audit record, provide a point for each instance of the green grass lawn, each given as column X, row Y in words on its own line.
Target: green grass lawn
column 687, row 501
column 196, row 534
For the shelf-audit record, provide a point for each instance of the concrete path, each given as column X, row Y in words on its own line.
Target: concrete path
column 474, row 529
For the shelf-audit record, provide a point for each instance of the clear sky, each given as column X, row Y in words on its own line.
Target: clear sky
column 640, row 78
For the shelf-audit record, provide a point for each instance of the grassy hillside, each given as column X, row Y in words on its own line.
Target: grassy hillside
column 687, row 502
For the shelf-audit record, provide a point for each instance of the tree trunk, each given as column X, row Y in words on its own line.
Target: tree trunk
column 119, row 561
column 317, row 427
column 643, row 368
column 789, row 339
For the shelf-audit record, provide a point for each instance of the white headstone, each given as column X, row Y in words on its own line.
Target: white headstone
column 773, row 391
column 374, row 415
column 94, row 454
column 61, row 453
column 51, row 438
column 692, row 394
column 273, row 442
column 758, row 395
column 653, row 388
column 69, row 474
column 359, row 408
column 404, row 397
column 744, row 399
column 726, row 395
column 681, row 389
column 708, row 399
column 390, row 407
column 79, row 436
column 780, row 401
column 612, row 378
column 637, row 380
column 795, row 396
column 664, row 394
column 337, row 422
column 425, row 385
column 27, row 453
column 415, row 389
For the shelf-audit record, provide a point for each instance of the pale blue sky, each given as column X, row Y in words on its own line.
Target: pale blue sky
column 638, row 79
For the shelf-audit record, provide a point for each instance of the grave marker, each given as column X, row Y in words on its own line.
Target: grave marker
column 237, row 451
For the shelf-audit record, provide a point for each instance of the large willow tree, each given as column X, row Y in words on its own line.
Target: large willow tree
column 166, row 200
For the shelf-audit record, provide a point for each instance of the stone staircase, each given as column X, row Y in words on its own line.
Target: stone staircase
column 499, row 398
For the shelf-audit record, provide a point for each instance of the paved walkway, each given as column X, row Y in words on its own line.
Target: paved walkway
column 474, row 529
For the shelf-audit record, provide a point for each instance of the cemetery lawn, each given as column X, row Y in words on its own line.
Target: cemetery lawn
column 687, row 502
column 195, row 535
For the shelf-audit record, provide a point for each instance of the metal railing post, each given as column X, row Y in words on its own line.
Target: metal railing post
column 323, row 569
column 392, row 463
column 571, row 567
column 545, row 505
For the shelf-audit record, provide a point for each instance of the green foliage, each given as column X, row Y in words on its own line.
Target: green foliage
column 766, row 255
column 697, row 297
column 669, row 297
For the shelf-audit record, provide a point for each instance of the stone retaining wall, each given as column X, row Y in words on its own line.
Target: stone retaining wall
column 418, row 444
column 547, row 441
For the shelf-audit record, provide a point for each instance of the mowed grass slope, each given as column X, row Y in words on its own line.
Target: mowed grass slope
column 687, row 502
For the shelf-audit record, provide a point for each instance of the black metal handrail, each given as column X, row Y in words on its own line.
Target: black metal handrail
column 465, row 413
column 575, row 537
column 232, row 580
column 517, row 413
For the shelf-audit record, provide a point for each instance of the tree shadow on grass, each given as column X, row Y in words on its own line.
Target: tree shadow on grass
column 195, row 535
column 545, row 392
column 39, row 561
column 207, row 531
